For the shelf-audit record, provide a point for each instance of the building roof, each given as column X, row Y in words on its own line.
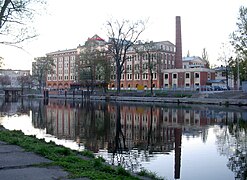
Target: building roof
column 62, row 51
column 191, row 58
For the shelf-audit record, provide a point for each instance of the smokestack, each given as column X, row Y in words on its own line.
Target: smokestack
column 178, row 54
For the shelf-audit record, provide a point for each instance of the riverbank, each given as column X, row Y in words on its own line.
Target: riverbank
column 238, row 98
column 26, row 157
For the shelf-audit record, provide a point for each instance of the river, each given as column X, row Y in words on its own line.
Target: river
column 174, row 141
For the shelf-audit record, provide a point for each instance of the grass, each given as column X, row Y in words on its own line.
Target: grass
column 70, row 160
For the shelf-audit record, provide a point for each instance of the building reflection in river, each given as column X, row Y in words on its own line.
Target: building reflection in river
column 119, row 128
column 131, row 135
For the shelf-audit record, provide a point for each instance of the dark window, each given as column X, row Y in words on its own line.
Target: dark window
column 166, row 76
column 175, row 76
column 196, row 75
column 187, row 75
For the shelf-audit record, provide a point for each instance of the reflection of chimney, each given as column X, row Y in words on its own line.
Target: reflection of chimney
column 178, row 54
column 178, row 142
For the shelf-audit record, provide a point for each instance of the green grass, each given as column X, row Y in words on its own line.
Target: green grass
column 69, row 160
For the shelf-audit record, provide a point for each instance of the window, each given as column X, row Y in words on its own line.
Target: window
column 187, row 75
column 166, row 76
column 196, row 75
column 174, row 76
column 187, row 85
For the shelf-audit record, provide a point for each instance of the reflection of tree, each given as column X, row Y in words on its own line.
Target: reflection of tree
column 232, row 142
column 119, row 137
column 38, row 119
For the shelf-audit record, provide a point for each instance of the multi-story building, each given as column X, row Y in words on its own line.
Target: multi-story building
column 64, row 71
column 136, row 68
column 169, row 69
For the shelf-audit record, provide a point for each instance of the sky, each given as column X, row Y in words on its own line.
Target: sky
column 67, row 23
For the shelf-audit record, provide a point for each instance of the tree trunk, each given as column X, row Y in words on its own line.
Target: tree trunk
column 118, row 79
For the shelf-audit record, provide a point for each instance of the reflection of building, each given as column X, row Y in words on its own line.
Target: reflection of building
column 144, row 128
column 61, row 120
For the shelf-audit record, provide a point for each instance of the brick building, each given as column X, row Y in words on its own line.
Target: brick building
column 169, row 70
column 64, row 72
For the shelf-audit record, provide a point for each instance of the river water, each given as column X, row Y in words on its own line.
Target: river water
column 175, row 141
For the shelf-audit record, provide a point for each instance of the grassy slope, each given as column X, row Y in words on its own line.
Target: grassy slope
column 71, row 161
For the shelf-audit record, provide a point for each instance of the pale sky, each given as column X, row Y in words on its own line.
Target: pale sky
column 68, row 23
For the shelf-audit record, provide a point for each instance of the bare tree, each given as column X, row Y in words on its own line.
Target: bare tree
column 152, row 57
column 16, row 17
column 5, row 80
column 122, row 35
column 225, row 57
column 24, row 81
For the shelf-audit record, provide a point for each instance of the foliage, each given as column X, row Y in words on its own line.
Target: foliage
column 16, row 18
column 239, row 42
column 149, row 174
column 93, row 65
column 122, row 36
column 40, row 68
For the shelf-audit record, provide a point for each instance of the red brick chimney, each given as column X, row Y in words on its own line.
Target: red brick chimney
column 178, row 54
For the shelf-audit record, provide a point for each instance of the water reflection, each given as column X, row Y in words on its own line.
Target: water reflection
column 132, row 135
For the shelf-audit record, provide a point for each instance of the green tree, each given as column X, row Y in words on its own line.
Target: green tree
column 16, row 19
column 122, row 36
column 239, row 42
column 40, row 68
column 205, row 57
column 93, row 67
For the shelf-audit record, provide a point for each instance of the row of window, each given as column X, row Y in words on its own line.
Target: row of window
column 188, row 85
column 60, row 78
column 187, row 75
column 136, row 76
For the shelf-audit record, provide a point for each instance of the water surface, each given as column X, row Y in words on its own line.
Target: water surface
column 176, row 142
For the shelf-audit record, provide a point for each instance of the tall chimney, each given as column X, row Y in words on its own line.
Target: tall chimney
column 178, row 54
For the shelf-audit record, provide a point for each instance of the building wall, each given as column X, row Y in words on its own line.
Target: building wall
column 64, row 71
column 187, row 78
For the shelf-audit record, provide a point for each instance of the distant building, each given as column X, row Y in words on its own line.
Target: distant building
column 193, row 62
column 221, row 74
column 13, row 75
